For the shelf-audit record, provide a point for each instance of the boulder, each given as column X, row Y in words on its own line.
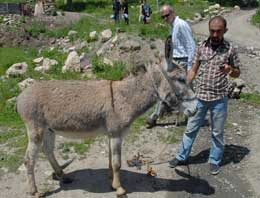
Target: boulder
column 17, row 69
column 106, row 35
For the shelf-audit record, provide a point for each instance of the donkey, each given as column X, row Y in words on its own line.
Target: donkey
column 87, row 108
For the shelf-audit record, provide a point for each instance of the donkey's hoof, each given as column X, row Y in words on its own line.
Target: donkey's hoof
column 120, row 191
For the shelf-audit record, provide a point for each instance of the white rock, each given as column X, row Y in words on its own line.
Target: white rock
column 115, row 39
column 17, row 69
column 38, row 60
column 72, row 32
column 22, row 168
column 72, row 62
column 237, row 8
column 93, row 35
column 106, row 35
column 108, row 62
column 234, row 124
column 25, row 83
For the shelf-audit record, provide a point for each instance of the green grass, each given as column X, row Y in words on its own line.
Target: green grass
column 252, row 98
column 256, row 18
column 102, row 9
column 9, row 56
column 108, row 72
column 15, row 142
column 35, row 29
column 79, row 148
column 173, row 135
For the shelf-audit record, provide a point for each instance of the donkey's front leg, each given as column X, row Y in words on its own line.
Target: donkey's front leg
column 115, row 146
column 110, row 169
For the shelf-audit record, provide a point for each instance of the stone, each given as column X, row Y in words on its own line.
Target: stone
column 93, row 35
column 25, row 83
column 106, row 35
column 236, row 8
column 17, row 69
column 38, row 60
column 72, row 32
column 72, row 62
column 108, row 62
column 130, row 45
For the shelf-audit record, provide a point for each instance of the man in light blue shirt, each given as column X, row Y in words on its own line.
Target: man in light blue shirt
column 183, row 50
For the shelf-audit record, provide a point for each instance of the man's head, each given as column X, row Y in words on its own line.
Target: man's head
column 167, row 13
column 217, row 29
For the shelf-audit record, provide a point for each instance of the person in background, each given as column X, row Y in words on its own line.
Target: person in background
column 116, row 10
column 183, row 51
column 215, row 59
column 124, row 10
column 145, row 12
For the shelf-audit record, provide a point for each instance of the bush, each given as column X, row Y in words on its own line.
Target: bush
column 35, row 29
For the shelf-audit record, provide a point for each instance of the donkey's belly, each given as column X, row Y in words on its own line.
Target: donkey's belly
column 81, row 134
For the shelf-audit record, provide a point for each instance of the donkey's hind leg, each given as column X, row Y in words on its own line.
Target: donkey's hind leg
column 35, row 136
column 48, row 149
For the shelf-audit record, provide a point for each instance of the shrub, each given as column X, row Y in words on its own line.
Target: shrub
column 35, row 29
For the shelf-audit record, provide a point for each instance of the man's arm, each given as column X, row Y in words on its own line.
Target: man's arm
column 192, row 72
column 188, row 43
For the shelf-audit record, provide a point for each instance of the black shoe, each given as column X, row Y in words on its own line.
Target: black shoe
column 175, row 162
column 151, row 122
column 214, row 169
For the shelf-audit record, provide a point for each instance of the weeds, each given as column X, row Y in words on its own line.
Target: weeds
column 79, row 148
column 109, row 72
column 256, row 18
column 252, row 98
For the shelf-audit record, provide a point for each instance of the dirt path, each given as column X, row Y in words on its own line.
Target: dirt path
column 239, row 28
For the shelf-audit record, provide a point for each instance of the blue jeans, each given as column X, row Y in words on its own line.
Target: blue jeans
column 218, row 114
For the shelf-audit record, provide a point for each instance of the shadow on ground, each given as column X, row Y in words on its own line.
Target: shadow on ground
column 96, row 181
column 232, row 154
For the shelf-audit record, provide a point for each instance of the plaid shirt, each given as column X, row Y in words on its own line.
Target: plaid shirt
column 211, row 83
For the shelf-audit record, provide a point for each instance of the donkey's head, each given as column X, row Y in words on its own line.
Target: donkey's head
column 172, row 90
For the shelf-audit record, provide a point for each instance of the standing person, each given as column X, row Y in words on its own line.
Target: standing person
column 183, row 50
column 145, row 12
column 124, row 9
column 214, row 60
column 116, row 10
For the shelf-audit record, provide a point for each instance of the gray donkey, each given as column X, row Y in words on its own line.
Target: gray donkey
column 87, row 108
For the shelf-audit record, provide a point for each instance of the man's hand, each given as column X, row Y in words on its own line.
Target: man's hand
column 232, row 71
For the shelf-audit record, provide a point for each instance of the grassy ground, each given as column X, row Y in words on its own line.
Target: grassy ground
column 256, row 18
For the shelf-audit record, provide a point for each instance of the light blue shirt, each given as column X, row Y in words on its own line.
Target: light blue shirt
column 183, row 42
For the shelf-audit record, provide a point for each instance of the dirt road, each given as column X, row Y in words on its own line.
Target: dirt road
column 239, row 28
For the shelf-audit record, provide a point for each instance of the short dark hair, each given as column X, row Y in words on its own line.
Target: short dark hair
column 219, row 18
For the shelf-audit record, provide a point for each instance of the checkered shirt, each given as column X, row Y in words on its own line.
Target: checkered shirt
column 211, row 83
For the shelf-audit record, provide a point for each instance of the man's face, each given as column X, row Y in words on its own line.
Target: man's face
column 167, row 16
column 217, row 31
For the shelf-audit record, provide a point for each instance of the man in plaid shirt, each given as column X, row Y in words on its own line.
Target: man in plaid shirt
column 214, row 60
